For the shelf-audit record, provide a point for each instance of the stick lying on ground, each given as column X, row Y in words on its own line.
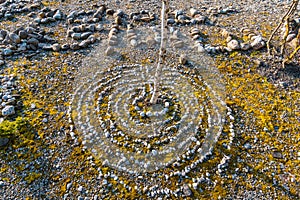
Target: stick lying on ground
column 162, row 51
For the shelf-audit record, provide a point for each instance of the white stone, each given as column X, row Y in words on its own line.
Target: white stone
column 8, row 110
column 233, row 45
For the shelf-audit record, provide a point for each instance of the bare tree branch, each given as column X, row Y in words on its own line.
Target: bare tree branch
column 284, row 19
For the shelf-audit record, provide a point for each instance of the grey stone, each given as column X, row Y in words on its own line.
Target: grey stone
column 85, row 43
column 65, row 46
column 14, row 38
column 3, row 33
column 133, row 42
column 245, row 46
column 3, row 141
column 7, row 52
column 92, row 39
column 8, row 110
column 85, row 35
column 23, row 34
column 33, row 41
column 170, row 21
column 73, row 14
column 92, row 27
column 37, row 20
column 2, row 62
column 187, row 191
column 277, row 154
column 74, row 46
column 58, row 15
column 48, row 39
column 46, row 47
column 76, row 36
column 109, row 51
column 22, row 47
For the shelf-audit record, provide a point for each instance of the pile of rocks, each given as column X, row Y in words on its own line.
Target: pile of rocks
column 8, row 96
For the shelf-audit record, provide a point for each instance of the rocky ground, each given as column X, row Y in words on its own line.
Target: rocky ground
column 49, row 49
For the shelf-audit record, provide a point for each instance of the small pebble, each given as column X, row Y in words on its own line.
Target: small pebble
column 233, row 45
column 56, row 47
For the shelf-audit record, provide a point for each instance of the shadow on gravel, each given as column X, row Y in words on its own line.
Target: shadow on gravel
column 24, row 166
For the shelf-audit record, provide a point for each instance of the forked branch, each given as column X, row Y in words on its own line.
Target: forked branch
column 284, row 20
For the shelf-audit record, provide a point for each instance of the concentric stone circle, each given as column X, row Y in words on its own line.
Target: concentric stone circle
column 111, row 111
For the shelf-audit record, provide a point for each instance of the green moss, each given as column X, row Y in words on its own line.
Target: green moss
column 10, row 128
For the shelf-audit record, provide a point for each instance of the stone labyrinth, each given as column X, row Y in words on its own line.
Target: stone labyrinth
column 111, row 110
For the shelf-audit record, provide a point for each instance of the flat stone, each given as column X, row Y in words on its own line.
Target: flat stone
column 3, row 141
column 294, row 43
column 8, row 110
column 256, row 45
column 56, row 47
column 58, row 15
column 14, row 38
column 183, row 59
column 170, row 21
column 76, row 36
column 23, row 34
column 193, row 12
column 85, row 35
column 233, row 45
column 74, row 46
column 245, row 46
column 187, row 191
column 133, row 42
column 65, row 46
column 109, row 51
column 178, row 44
column 277, row 154
column 85, row 43
column 7, row 52
column 72, row 14
column 33, row 41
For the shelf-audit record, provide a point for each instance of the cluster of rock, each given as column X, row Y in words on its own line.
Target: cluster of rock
column 142, row 16
column 10, row 8
column 255, row 42
column 8, row 96
column 83, row 26
column 24, row 39
column 194, row 17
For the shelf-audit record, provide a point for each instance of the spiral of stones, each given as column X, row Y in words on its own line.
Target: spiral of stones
column 112, row 112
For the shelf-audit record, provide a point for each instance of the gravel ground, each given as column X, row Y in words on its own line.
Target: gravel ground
column 47, row 50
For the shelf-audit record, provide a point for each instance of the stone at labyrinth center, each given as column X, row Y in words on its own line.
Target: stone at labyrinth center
column 110, row 106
